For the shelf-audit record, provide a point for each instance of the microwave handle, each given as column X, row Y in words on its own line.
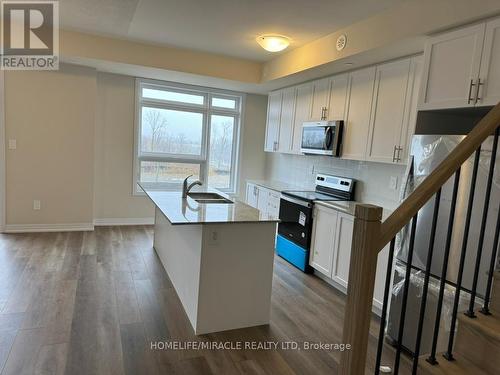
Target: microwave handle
column 328, row 137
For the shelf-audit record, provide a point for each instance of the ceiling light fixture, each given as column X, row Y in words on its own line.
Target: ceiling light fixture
column 273, row 43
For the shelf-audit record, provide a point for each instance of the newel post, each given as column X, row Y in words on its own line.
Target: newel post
column 363, row 266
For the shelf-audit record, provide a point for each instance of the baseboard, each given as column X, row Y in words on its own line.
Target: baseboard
column 125, row 221
column 27, row 228
column 75, row 227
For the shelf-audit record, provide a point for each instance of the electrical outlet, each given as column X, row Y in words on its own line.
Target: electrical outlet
column 213, row 238
column 37, row 205
column 12, row 144
column 393, row 183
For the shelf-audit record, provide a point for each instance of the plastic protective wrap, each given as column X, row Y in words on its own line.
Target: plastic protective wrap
column 428, row 152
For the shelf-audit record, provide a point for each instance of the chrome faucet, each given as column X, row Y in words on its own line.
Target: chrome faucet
column 186, row 188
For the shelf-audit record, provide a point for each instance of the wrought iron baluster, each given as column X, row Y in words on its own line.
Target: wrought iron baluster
column 426, row 281
column 486, row 306
column 432, row 357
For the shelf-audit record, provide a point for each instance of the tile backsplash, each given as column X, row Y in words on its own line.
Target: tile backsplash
column 373, row 179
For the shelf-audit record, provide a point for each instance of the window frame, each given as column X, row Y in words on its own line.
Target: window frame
column 207, row 110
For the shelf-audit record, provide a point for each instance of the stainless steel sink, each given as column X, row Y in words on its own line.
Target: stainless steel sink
column 209, row 198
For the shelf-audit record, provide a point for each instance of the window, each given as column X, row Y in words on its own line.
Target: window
column 184, row 131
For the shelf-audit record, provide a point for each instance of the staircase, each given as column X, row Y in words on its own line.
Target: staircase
column 477, row 345
column 473, row 337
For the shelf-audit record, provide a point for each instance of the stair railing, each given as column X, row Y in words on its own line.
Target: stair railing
column 371, row 235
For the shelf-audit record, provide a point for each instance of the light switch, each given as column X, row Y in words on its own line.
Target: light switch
column 393, row 183
column 37, row 205
column 12, row 144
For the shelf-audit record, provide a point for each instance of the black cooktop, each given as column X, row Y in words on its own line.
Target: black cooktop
column 312, row 195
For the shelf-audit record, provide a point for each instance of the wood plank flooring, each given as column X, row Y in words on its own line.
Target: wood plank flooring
column 93, row 302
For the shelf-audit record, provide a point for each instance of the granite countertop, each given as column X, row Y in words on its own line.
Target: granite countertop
column 348, row 207
column 180, row 210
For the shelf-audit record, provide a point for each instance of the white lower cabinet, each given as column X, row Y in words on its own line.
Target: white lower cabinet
column 265, row 200
column 252, row 195
column 323, row 236
column 331, row 250
column 378, row 293
column 342, row 249
column 273, row 204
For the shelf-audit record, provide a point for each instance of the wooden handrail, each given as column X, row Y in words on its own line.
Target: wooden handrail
column 416, row 200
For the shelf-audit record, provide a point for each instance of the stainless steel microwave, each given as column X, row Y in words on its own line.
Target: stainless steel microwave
column 322, row 137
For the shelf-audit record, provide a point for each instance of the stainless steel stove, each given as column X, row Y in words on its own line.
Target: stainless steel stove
column 294, row 229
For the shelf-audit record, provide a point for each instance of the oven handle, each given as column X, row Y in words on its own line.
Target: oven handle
column 296, row 201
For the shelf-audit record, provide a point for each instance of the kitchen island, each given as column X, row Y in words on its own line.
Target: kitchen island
column 219, row 258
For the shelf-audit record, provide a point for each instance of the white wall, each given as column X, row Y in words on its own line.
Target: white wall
column 51, row 115
column 373, row 178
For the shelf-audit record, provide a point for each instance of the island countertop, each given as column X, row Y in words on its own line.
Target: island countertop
column 179, row 211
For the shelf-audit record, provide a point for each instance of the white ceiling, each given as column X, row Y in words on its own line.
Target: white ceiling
column 227, row 27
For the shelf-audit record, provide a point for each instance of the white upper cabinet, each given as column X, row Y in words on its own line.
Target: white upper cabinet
column 451, row 68
column 390, row 104
column 320, row 95
column 410, row 121
column 489, row 74
column 285, row 139
column 338, row 96
column 357, row 124
column 378, row 105
column 273, row 121
column 302, row 113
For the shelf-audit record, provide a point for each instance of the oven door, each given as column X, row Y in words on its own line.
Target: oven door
column 295, row 221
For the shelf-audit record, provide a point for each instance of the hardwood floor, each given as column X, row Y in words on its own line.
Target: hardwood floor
column 94, row 302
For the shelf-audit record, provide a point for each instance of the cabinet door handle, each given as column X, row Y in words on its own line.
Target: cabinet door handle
column 394, row 154
column 470, row 99
column 479, row 84
column 398, row 157
column 323, row 113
